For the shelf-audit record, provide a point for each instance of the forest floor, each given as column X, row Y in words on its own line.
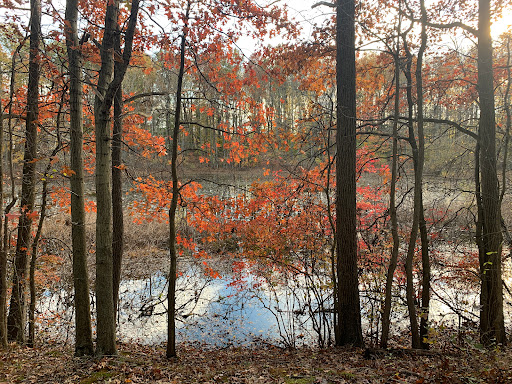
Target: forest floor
column 52, row 363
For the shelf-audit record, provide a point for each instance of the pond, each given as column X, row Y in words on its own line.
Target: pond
column 242, row 309
column 213, row 311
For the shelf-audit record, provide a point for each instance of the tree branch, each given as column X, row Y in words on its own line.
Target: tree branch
column 325, row 3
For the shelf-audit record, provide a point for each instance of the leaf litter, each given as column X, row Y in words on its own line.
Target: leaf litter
column 55, row 363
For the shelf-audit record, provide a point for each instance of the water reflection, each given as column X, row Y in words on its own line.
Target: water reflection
column 212, row 311
column 250, row 309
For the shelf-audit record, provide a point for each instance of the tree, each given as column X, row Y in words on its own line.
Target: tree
column 83, row 332
column 349, row 313
column 171, row 296
column 3, row 254
column 17, row 309
column 492, row 328
column 117, row 184
column 106, row 90
column 392, row 196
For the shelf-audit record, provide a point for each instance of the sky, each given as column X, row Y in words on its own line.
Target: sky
column 299, row 10
column 302, row 11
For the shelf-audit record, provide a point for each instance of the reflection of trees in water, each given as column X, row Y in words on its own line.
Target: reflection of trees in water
column 289, row 306
column 299, row 298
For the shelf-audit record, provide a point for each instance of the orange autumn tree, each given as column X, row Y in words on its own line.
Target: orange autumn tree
column 206, row 55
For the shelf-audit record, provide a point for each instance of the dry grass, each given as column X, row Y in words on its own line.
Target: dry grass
column 145, row 247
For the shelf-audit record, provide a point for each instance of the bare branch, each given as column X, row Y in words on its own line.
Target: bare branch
column 325, row 3
column 144, row 94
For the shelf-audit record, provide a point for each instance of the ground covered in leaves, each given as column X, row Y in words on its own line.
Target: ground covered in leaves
column 147, row 364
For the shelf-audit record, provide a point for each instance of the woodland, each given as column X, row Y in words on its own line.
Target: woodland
column 328, row 206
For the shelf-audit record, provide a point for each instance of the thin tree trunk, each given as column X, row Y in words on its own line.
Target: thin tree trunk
column 392, row 204
column 410, row 295
column 349, row 312
column 425, row 258
column 332, row 224
column 5, row 240
column 171, row 296
column 506, row 102
column 17, row 309
column 117, row 186
column 35, row 243
column 42, row 216
column 508, row 123
column 425, row 294
column 3, row 255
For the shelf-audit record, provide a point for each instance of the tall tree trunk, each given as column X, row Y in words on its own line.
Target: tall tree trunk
column 349, row 312
column 117, row 186
column 171, row 295
column 410, row 295
column 3, row 254
column 425, row 258
column 105, row 341
column 83, row 331
column 17, row 309
column 392, row 204
column 6, row 234
column 492, row 328
column 107, row 88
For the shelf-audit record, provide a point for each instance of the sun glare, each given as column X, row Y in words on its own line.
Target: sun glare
column 502, row 25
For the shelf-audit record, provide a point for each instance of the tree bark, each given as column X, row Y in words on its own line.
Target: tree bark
column 105, row 340
column 425, row 258
column 392, row 205
column 349, row 312
column 117, row 186
column 410, row 295
column 17, row 310
column 83, row 331
column 492, row 328
column 3, row 254
column 107, row 88
column 171, row 296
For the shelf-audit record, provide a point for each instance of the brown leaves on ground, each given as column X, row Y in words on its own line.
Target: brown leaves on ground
column 144, row 364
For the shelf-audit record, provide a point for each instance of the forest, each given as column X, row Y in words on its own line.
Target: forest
column 252, row 192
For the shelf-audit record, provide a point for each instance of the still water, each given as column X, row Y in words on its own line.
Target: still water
column 213, row 311
column 243, row 309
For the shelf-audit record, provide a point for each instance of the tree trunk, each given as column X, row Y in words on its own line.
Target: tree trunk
column 35, row 243
column 425, row 258
column 17, row 309
column 410, row 295
column 6, row 235
column 83, row 332
column 3, row 254
column 349, row 312
column 171, row 296
column 492, row 328
column 425, row 293
column 392, row 205
column 107, row 88
column 105, row 341
column 117, row 186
